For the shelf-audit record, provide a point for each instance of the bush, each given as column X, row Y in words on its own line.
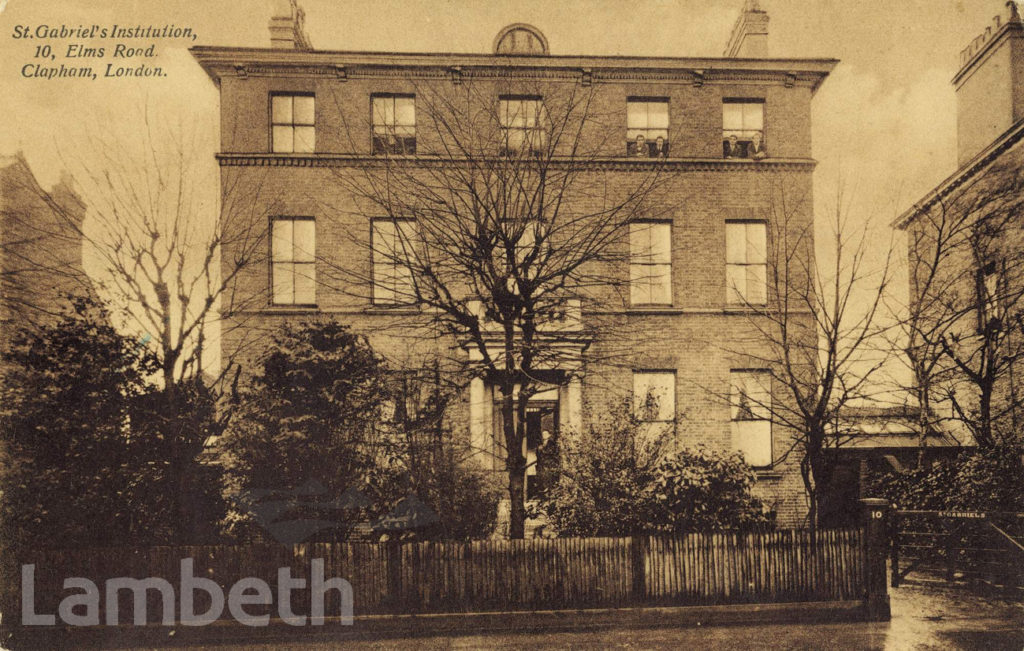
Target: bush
column 704, row 490
column 990, row 479
column 616, row 480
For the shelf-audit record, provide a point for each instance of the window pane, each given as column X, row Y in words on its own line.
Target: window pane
column 405, row 111
column 281, row 245
column 283, row 280
column 304, row 137
column 732, row 116
column 305, row 283
column 753, row 116
column 640, row 242
column 639, row 284
column 281, row 109
column 657, row 115
column 636, row 115
column 753, row 439
column 756, row 249
column 736, row 284
column 661, row 283
column 654, row 395
column 305, row 240
column 303, row 110
column 403, row 285
column 661, row 243
column 756, row 284
column 380, row 108
column 283, row 140
column 735, row 242
column 504, row 110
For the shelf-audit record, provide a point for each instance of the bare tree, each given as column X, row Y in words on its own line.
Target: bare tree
column 966, row 270
column 501, row 232
column 819, row 333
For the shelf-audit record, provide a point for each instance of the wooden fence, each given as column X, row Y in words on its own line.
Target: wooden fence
column 721, row 568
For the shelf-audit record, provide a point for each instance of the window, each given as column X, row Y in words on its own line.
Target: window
column 647, row 127
column 394, row 124
column 743, row 128
column 293, row 260
column 750, row 405
column 292, row 120
column 746, row 263
column 650, row 267
column 392, row 244
column 654, row 399
column 988, row 294
column 522, row 124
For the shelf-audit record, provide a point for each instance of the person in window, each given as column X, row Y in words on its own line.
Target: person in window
column 659, row 147
column 755, row 149
column 641, row 147
column 733, row 148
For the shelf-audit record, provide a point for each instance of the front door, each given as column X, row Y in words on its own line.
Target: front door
column 539, row 446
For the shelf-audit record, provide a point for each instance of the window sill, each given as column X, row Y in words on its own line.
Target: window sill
column 653, row 309
column 767, row 474
column 296, row 308
column 392, row 309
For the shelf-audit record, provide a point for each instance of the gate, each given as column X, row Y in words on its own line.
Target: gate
column 958, row 546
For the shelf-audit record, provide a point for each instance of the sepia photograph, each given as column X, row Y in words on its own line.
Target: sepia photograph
column 512, row 324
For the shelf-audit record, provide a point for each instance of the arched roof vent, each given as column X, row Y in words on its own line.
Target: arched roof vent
column 520, row 39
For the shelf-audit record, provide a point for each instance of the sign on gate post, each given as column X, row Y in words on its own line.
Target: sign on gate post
column 876, row 519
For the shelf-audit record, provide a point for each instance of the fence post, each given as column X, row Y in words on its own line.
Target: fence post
column 894, row 542
column 876, row 598
column 638, row 549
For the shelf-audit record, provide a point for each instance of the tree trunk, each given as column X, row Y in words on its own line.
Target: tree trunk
column 515, row 463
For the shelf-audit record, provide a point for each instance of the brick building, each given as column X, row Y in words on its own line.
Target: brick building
column 966, row 252
column 299, row 123
column 40, row 245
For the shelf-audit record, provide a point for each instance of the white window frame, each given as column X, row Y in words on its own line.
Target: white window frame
column 751, row 121
column 389, row 134
column 525, row 116
column 292, row 124
column 650, row 263
column 648, row 385
column 292, row 264
column 746, row 262
column 750, row 404
column 638, row 122
column 390, row 241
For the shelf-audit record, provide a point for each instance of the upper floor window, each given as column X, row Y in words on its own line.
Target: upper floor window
column 522, row 124
column 394, row 124
column 988, row 293
column 743, row 128
column 650, row 263
column 293, row 260
column 751, row 405
column 647, row 127
column 746, row 262
column 292, row 119
column 392, row 245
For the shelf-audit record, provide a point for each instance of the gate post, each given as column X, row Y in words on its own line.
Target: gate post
column 894, row 542
column 876, row 596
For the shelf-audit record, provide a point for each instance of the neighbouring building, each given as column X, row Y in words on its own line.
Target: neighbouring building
column 721, row 131
column 40, row 245
column 966, row 250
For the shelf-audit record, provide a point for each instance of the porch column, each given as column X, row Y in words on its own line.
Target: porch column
column 478, row 421
column 574, row 403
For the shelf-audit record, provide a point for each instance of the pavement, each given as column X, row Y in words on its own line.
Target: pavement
column 923, row 617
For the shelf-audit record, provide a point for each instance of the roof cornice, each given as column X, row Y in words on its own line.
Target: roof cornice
column 965, row 173
column 222, row 61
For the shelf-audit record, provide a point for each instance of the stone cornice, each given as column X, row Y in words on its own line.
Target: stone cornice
column 965, row 173
column 220, row 62
column 615, row 164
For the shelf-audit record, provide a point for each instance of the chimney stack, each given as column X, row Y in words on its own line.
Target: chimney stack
column 990, row 84
column 287, row 26
column 750, row 33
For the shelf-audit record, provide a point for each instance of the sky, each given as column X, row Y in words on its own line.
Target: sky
column 884, row 123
